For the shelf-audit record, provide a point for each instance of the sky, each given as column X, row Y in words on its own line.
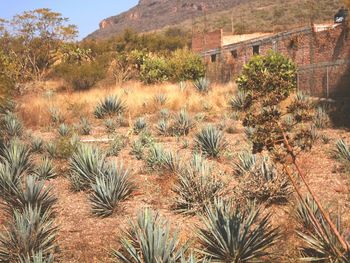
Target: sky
column 86, row 14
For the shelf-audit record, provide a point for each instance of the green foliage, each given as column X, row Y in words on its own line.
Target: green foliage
column 38, row 258
column 241, row 101
column 235, row 234
column 149, row 240
column 155, row 157
column 186, row 65
column 137, row 149
column 244, row 163
column 160, row 99
column 31, row 232
column 197, row 187
column 85, row 165
column 118, row 143
column 319, row 241
column 51, row 149
column 63, row 148
column 163, row 127
column 172, row 162
column 45, row 170
column 110, row 125
column 56, row 115
column 321, row 118
column 202, row 85
column 81, row 76
column 211, row 141
column 154, row 70
column 110, row 105
column 111, row 186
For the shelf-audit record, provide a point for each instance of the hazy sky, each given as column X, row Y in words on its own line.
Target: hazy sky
column 86, row 14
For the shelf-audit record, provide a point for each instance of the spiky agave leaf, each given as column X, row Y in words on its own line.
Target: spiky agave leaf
column 31, row 231
column 63, row 130
column 139, row 125
column 18, row 157
column 112, row 186
column 342, row 152
column 211, row 141
column 149, row 240
column 37, row 144
column 236, row 235
column 244, row 163
column 193, row 259
column 12, row 126
column 196, row 188
column 38, row 257
column 202, row 85
column 45, row 170
column 172, row 162
column 85, row 126
column 241, row 101
column 319, row 242
column 10, row 181
column 155, row 158
column 110, row 105
column 32, row 194
column 163, row 127
column 85, row 165
column 182, row 123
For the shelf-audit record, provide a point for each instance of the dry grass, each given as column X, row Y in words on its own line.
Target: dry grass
column 34, row 108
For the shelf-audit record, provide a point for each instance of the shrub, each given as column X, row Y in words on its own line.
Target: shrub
column 186, row 65
column 154, row 70
column 197, row 187
column 111, row 186
column 236, row 235
column 149, row 240
column 45, row 170
column 85, row 165
column 202, row 85
column 211, row 141
column 110, row 105
column 83, row 76
column 30, row 232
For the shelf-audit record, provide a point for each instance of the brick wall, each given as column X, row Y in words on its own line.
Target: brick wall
column 304, row 46
column 202, row 42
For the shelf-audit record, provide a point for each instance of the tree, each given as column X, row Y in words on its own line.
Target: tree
column 30, row 39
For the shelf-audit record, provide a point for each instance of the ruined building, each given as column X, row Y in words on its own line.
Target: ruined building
column 320, row 51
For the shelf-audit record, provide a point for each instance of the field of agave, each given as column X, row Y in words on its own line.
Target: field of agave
column 165, row 174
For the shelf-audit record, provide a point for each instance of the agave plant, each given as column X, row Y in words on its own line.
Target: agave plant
column 85, row 165
column 63, row 130
column 342, row 152
column 236, row 235
column 202, row 85
column 182, row 124
column 37, row 144
column 197, row 187
column 163, row 127
column 85, row 126
column 160, row 99
column 17, row 155
column 149, row 240
column 38, row 257
column 56, row 115
column 45, row 170
column 241, row 101
column 244, row 163
column 140, row 125
column 32, row 194
column 31, row 232
column 110, row 105
column 110, row 125
column 164, row 114
column 9, row 181
column 172, row 162
column 137, row 149
column 12, row 126
column 51, row 149
column 155, row 158
column 211, row 141
column 118, row 143
column 112, row 186
column 321, row 118
column 319, row 242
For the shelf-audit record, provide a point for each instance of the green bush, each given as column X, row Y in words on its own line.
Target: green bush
column 186, row 65
column 154, row 70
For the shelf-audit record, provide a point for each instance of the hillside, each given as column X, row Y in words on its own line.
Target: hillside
column 243, row 15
